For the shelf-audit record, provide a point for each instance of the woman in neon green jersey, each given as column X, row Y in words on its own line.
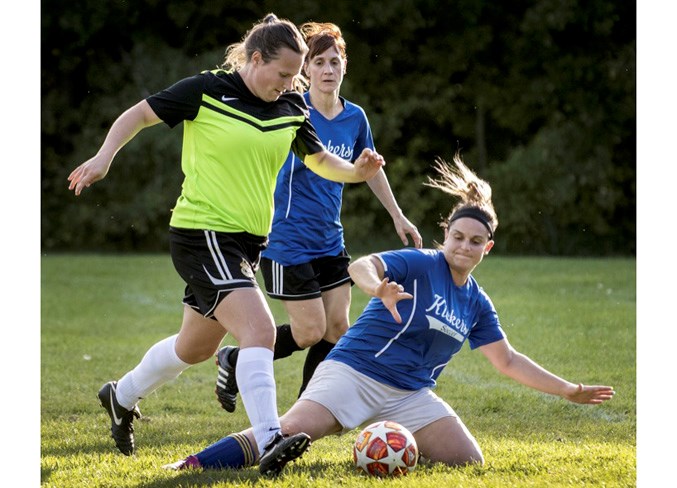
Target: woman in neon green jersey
column 239, row 125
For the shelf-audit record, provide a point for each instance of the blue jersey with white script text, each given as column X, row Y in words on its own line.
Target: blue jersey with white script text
column 307, row 219
column 435, row 323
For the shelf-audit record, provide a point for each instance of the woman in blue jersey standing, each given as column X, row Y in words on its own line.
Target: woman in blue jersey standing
column 425, row 304
column 239, row 124
column 306, row 263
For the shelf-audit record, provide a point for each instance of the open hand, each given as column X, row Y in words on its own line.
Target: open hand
column 390, row 293
column 592, row 395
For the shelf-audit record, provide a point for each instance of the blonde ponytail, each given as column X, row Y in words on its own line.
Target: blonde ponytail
column 473, row 193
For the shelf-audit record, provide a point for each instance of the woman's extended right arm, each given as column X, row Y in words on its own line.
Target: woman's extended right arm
column 123, row 130
column 368, row 274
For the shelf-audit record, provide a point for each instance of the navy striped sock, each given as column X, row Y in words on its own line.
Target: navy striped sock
column 232, row 452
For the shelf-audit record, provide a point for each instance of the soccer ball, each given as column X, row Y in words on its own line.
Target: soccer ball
column 385, row 449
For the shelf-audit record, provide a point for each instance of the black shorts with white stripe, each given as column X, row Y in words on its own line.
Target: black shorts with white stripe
column 214, row 263
column 305, row 281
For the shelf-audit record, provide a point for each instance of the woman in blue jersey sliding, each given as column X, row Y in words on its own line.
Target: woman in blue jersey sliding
column 306, row 263
column 425, row 304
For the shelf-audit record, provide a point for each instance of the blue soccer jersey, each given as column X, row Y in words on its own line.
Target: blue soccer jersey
column 435, row 323
column 307, row 219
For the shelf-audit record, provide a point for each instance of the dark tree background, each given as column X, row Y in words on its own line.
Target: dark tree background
column 539, row 96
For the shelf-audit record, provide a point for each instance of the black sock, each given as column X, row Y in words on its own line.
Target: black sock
column 316, row 355
column 285, row 344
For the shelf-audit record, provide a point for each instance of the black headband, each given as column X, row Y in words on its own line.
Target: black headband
column 473, row 213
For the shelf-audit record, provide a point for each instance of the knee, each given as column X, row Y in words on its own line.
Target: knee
column 196, row 355
column 335, row 331
column 465, row 458
column 192, row 351
column 456, row 451
column 476, row 458
column 308, row 331
column 308, row 336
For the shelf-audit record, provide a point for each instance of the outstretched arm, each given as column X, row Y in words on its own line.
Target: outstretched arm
column 520, row 368
column 123, row 130
column 334, row 168
column 381, row 188
column 367, row 273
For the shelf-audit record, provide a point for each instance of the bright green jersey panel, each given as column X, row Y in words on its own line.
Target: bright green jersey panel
column 238, row 195
column 234, row 145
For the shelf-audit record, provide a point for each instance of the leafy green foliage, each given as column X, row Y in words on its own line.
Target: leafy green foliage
column 539, row 96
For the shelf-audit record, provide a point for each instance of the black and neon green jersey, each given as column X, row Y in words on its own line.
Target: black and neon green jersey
column 234, row 144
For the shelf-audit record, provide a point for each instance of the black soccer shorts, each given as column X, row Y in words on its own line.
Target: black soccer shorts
column 305, row 281
column 213, row 264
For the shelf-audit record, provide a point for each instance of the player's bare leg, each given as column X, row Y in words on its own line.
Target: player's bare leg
column 448, row 441
column 199, row 337
column 309, row 417
column 335, row 307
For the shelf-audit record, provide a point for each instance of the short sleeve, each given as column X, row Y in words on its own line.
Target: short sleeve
column 179, row 102
column 364, row 137
column 406, row 264
column 306, row 140
column 487, row 329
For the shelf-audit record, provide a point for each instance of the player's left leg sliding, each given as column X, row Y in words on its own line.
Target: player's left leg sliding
column 236, row 451
column 232, row 452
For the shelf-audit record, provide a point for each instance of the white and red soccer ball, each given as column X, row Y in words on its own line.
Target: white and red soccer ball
column 385, row 449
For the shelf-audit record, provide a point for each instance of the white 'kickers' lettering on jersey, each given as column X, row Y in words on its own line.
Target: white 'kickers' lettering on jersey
column 439, row 308
column 341, row 151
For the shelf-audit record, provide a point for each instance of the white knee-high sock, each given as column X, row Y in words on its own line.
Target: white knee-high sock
column 256, row 382
column 158, row 366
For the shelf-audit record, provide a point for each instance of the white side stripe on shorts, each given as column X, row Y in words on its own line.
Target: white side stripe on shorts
column 219, row 261
column 278, row 278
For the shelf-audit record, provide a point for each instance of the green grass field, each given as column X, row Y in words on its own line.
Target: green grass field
column 576, row 317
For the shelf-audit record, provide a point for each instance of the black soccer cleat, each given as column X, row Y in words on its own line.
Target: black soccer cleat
column 282, row 450
column 226, row 384
column 122, row 428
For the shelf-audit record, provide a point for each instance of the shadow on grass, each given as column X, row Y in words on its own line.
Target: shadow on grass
column 45, row 474
column 247, row 476
column 100, row 447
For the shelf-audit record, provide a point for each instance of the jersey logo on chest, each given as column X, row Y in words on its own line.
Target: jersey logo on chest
column 440, row 308
column 440, row 326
